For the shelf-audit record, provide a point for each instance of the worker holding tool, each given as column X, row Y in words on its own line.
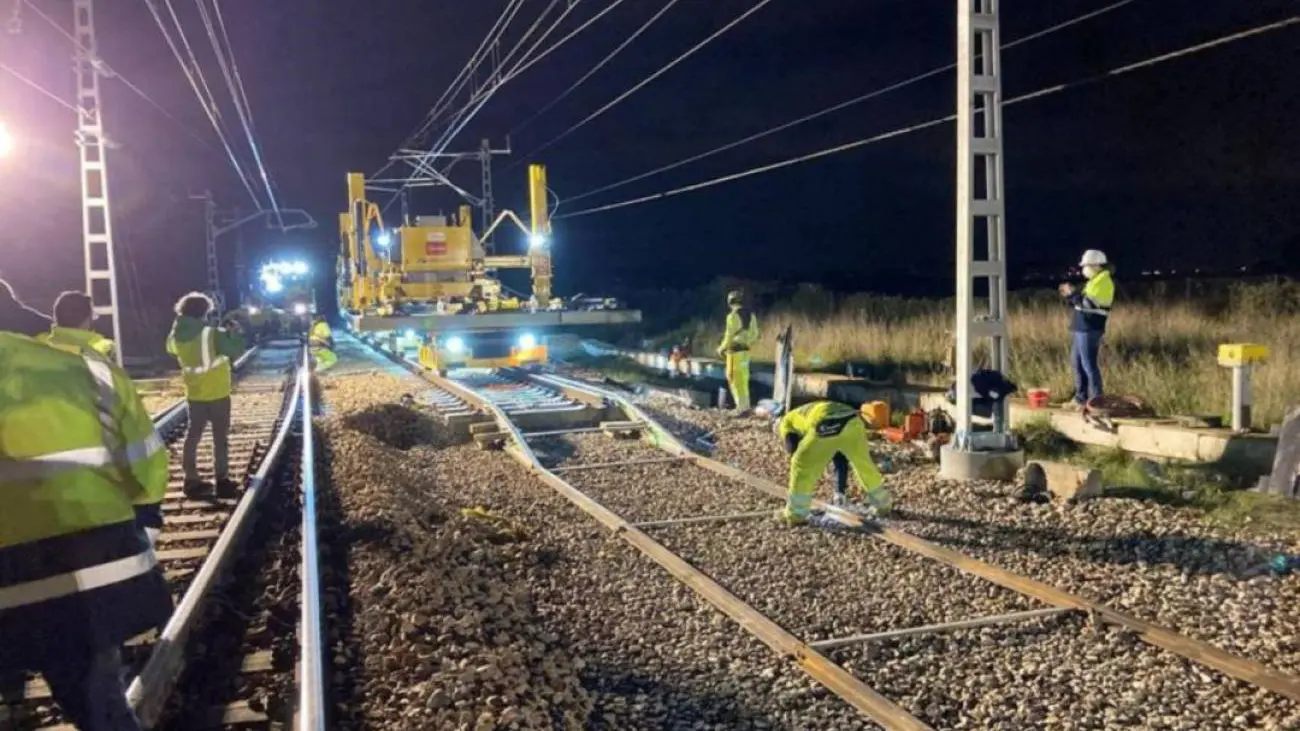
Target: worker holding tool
column 205, row 354
column 73, row 315
column 78, row 576
column 321, row 342
column 821, row 432
column 1091, row 312
column 740, row 334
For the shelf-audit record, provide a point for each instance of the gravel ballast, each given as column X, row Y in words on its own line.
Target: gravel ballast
column 582, row 630
column 1160, row 563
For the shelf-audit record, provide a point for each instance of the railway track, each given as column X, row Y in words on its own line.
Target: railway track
column 573, row 437
column 202, row 539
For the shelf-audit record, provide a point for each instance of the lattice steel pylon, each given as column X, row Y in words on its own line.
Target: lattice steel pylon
column 97, row 224
column 210, row 249
column 489, row 204
column 981, row 206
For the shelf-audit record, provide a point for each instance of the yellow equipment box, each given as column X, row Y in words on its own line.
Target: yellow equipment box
column 1242, row 354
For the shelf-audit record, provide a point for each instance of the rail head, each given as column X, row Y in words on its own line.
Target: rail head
column 312, row 706
column 149, row 691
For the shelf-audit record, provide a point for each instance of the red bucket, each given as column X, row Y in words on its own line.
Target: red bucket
column 1039, row 398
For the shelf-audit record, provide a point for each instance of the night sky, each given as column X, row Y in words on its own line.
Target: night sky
column 1193, row 163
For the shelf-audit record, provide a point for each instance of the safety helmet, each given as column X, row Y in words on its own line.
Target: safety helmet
column 1093, row 258
column 735, row 297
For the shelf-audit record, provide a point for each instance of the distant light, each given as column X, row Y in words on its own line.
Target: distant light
column 455, row 345
column 253, row 310
column 536, row 241
column 272, row 284
column 298, row 267
column 383, row 240
column 300, row 309
column 410, row 334
column 527, row 341
column 6, row 141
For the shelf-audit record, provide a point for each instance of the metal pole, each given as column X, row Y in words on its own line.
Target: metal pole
column 96, row 217
column 1241, row 398
column 489, row 205
column 981, row 244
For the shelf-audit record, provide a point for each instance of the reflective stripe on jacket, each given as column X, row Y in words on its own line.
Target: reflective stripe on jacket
column 822, row 418
column 205, row 363
column 1092, row 304
column 741, row 331
column 77, row 451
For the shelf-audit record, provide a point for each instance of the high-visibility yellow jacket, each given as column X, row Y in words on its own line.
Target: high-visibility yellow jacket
column 741, row 331
column 79, row 340
column 77, row 452
column 1092, row 305
column 205, row 354
column 830, row 416
column 321, row 337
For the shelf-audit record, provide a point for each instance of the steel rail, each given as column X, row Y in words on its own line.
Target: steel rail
column 149, row 691
column 1203, row 653
column 312, row 707
column 830, row 674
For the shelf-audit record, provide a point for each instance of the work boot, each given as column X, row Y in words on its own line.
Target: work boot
column 227, row 488
column 196, row 488
column 839, row 500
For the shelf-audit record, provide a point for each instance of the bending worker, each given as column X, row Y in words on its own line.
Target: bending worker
column 321, row 343
column 73, row 315
column 740, row 335
column 821, row 432
column 78, row 577
column 205, row 354
column 1088, row 324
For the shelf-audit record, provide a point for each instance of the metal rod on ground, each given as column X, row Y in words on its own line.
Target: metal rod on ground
column 703, row 519
column 944, row 627
column 622, row 463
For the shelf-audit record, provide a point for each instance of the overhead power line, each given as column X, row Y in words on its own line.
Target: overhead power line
column 226, row 61
column 843, row 105
column 663, row 70
column 113, row 73
column 206, row 102
column 1045, row 91
column 46, row 92
column 601, row 64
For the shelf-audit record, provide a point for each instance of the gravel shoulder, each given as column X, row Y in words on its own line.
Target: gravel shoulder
column 528, row 613
column 1160, row 563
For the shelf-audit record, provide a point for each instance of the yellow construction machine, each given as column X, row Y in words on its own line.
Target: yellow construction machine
column 429, row 285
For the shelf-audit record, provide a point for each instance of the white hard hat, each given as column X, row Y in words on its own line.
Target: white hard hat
column 1093, row 258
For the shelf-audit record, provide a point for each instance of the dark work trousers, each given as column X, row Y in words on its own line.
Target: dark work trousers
column 203, row 414
column 839, row 462
column 1084, row 351
column 87, row 687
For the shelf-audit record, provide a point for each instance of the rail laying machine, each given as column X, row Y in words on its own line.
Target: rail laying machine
column 431, row 286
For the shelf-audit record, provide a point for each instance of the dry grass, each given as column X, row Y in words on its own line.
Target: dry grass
column 1163, row 352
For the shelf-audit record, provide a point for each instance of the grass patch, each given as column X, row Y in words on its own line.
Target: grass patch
column 1217, row 490
column 1161, row 350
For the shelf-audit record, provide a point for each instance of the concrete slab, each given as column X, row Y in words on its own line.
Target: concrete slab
column 958, row 465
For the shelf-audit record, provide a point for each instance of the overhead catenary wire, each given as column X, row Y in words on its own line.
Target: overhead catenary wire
column 45, row 92
column 1045, row 91
column 640, row 85
column 212, row 114
column 845, row 104
column 526, row 63
column 226, row 62
column 113, row 73
column 599, row 65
